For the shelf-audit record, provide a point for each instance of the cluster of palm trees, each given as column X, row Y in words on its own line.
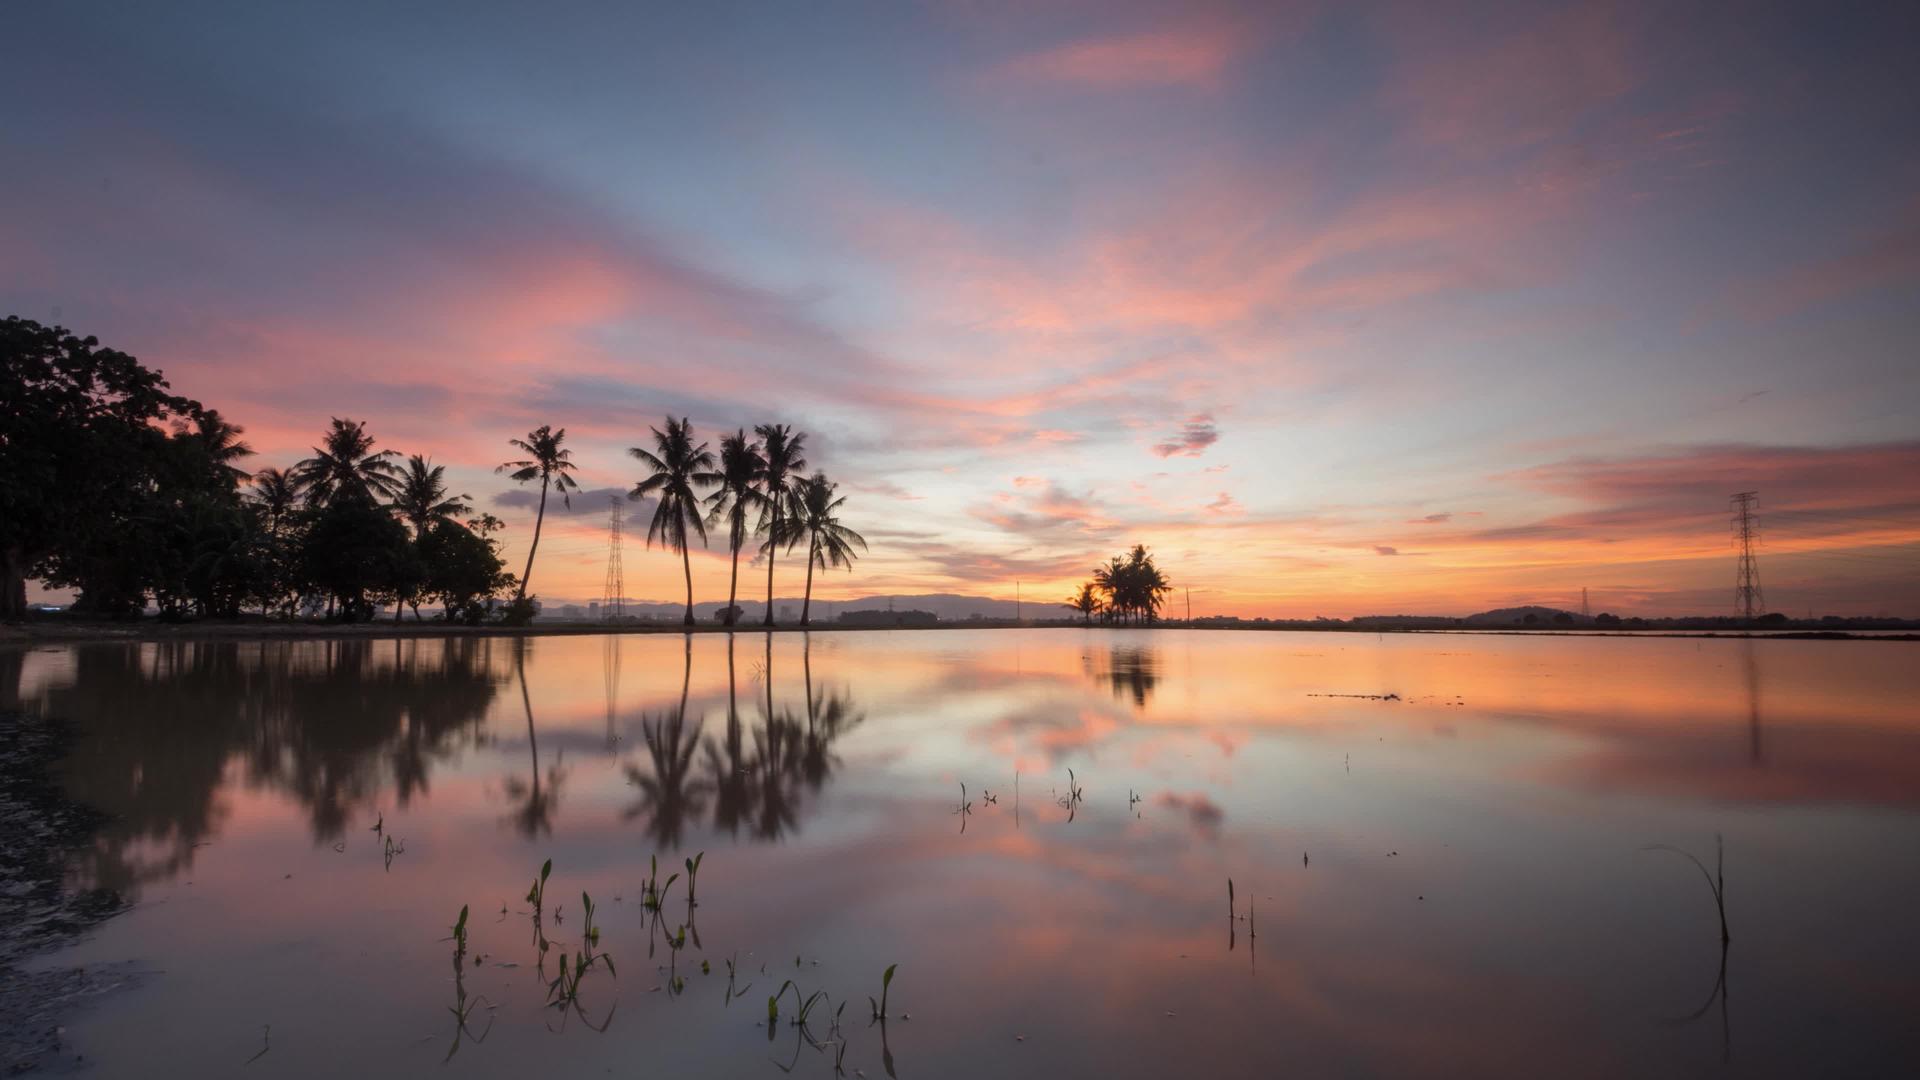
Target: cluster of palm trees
column 757, row 487
column 1128, row 589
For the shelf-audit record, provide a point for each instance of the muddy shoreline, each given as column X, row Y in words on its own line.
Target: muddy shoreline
column 38, row 912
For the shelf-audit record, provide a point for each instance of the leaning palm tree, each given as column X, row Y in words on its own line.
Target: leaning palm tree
column 549, row 464
column 829, row 543
column 742, row 468
column 423, row 501
column 347, row 466
column 678, row 466
column 783, row 449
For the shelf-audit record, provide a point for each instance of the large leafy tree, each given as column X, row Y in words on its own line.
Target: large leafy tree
column 829, row 543
column 346, row 466
column 677, row 466
column 463, row 567
column 785, row 452
column 550, row 463
column 743, row 468
column 80, row 449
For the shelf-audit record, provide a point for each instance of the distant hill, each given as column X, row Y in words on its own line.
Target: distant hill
column 948, row 607
column 1517, row 616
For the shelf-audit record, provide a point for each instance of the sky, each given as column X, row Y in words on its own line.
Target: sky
column 1341, row 309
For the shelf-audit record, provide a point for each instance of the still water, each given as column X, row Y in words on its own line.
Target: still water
column 1449, row 881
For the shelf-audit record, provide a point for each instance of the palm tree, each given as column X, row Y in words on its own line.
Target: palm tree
column 742, row 468
column 783, row 449
column 222, row 444
column 678, row 467
column 276, row 492
column 829, row 543
column 1086, row 602
column 423, row 501
column 549, row 464
column 348, row 467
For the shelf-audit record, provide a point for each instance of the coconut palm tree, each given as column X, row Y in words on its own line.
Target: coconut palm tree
column 222, row 444
column 276, row 492
column 347, row 466
column 783, row 448
column 742, row 469
column 678, row 467
column 549, row 463
column 423, row 501
column 829, row 543
column 1086, row 602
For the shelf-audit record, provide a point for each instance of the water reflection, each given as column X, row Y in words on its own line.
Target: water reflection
column 1489, row 813
column 336, row 725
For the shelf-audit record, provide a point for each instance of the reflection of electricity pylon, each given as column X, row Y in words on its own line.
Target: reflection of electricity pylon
column 610, row 602
column 1746, row 533
column 610, row 665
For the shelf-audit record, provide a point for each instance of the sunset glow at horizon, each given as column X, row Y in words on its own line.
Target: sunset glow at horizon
column 1338, row 311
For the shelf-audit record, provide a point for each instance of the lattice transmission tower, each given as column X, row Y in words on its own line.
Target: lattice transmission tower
column 1747, row 598
column 611, row 604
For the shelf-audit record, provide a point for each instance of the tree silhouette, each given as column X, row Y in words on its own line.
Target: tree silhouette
column 1087, row 602
column 549, row 463
column 678, row 467
column 742, row 470
column 784, row 450
column 670, row 794
column 422, row 500
column 829, row 543
column 346, row 466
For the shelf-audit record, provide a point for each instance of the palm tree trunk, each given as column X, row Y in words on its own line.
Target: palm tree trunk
column 806, row 604
column 773, row 546
column 733, row 589
column 686, row 559
column 538, row 519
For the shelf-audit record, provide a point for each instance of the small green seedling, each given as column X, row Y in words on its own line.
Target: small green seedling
column 655, row 894
column 880, row 1007
column 460, row 931
column 538, row 893
column 693, row 874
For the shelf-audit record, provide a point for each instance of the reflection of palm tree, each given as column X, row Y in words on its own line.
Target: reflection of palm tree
column 774, row 764
column 828, row 717
column 670, row 795
column 535, row 814
column 727, row 767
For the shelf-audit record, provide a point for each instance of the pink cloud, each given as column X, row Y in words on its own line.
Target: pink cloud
column 1196, row 56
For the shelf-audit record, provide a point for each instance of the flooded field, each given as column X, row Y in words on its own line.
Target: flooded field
column 1438, row 848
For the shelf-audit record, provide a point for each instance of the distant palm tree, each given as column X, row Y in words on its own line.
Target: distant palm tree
column 783, row 448
column 548, row 463
column 678, row 467
column 348, row 467
column 423, row 500
column 742, row 469
column 1086, row 602
column 829, row 543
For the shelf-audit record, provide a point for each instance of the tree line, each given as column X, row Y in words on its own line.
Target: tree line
column 1130, row 588
column 116, row 487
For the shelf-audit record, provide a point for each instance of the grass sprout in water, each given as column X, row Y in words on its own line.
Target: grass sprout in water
column 886, row 981
column 537, row 895
column 693, row 875
column 1716, row 879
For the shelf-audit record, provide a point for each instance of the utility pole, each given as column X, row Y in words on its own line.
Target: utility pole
column 1747, row 597
column 1189, row 604
column 1585, row 610
column 611, row 604
column 1016, row 601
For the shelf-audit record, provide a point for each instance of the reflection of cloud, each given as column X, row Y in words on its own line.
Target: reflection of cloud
column 1203, row 814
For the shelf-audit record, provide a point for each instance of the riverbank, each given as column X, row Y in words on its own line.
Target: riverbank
column 69, row 631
